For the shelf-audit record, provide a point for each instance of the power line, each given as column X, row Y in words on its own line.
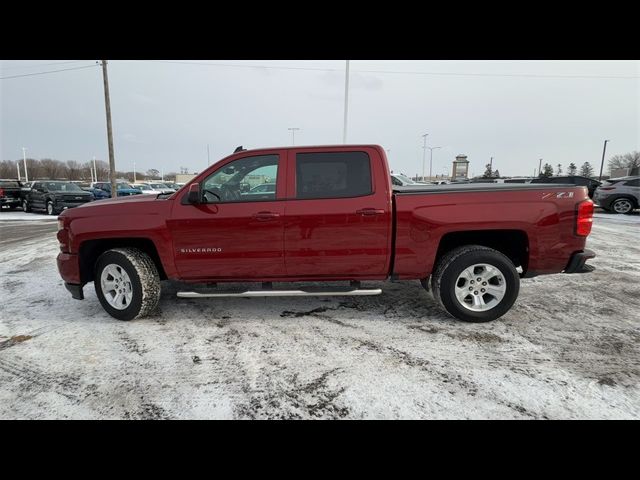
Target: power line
column 531, row 75
column 50, row 71
column 3, row 67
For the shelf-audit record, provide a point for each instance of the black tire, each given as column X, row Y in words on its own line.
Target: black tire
column 145, row 282
column 452, row 264
column 25, row 206
column 623, row 205
column 50, row 208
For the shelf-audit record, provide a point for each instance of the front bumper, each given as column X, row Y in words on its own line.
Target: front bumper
column 577, row 263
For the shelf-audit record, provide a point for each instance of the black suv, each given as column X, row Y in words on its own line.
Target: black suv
column 54, row 196
column 571, row 179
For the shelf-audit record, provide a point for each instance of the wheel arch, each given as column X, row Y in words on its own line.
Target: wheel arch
column 512, row 243
column 90, row 250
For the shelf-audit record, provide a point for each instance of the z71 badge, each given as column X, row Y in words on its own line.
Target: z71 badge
column 557, row 194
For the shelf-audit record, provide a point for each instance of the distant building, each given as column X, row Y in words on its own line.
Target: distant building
column 185, row 177
column 460, row 167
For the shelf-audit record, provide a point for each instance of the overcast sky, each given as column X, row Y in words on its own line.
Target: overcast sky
column 165, row 113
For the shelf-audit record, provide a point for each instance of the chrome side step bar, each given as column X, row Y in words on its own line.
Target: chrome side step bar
column 283, row 293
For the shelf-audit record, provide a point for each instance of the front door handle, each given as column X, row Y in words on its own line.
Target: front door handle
column 264, row 216
column 365, row 212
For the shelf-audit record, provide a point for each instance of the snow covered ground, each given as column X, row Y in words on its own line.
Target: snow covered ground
column 18, row 215
column 569, row 348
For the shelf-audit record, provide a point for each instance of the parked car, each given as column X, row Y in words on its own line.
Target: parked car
column 147, row 188
column 172, row 185
column 9, row 193
column 162, row 187
column 263, row 188
column 54, row 196
column 619, row 195
column 590, row 183
column 103, row 190
column 334, row 216
column 401, row 180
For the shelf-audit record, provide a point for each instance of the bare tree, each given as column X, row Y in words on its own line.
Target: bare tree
column 628, row 160
column 74, row 170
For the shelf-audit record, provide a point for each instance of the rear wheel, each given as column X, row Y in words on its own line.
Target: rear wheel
column 25, row 206
column 475, row 283
column 127, row 283
column 622, row 205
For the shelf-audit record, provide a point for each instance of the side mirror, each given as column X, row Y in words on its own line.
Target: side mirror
column 193, row 196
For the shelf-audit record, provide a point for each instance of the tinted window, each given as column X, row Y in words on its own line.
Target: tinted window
column 236, row 181
column 582, row 181
column 633, row 183
column 4, row 184
column 333, row 175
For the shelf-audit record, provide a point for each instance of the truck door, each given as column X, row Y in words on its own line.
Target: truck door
column 338, row 214
column 36, row 195
column 238, row 231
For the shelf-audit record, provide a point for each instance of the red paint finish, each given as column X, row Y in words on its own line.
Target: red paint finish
column 339, row 236
column 291, row 239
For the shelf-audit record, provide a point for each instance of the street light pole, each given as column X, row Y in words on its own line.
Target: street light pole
column 346, row 103
column 604, row 149
column 293, row 134
column 540, row 168
column 24, row 159
column 95, row 170
column 134, row 171
column 18, row 167
column 431, row 159
column 424, row 154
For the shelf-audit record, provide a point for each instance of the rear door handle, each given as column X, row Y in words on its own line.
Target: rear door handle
column 365, row 212
column 264, row 216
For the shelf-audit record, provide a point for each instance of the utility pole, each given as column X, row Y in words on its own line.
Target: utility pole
column 24, row 159
column 346, row 103
column 293, row 134
column 95, row 170
column 18, row 167
column 491, row 165
column 424, row 154
column 431, row 149
column 604, row 149
column 540, row 167
column 107, row 103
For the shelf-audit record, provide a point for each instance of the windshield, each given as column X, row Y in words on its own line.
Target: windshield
column 124, row 186
column 143, row 187
column 61, row 187
column 405, row 179
column 159, row 185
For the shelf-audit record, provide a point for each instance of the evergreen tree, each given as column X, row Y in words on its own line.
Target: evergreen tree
column 572, row 169
column 487, row 172
column 496, row 174
column 547, row 171
column 586, row 170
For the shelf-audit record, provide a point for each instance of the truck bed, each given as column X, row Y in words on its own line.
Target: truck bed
column 477, row 187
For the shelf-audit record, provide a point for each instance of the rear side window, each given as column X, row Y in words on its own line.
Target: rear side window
column 633, row 183
column 333, row 175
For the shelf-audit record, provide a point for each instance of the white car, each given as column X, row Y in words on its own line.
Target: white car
column 152, row 188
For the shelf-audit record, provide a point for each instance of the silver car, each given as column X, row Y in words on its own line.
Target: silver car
column 619, row 195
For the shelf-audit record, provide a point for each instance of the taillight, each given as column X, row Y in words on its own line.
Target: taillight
column 1, row 192
column 584, row 219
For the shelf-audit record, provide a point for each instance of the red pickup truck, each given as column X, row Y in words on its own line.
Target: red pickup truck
column 329, row 213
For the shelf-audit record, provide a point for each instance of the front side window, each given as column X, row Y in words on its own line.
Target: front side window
column 333, row 175
column 248, row 179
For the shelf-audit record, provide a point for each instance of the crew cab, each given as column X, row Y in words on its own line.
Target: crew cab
column 333, row 216
column 54, row 196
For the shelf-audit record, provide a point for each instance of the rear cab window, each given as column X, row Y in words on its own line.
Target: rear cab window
column 333, row 175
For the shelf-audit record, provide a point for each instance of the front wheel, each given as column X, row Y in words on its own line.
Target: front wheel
column 50, row 208
column 127, row 283
column 25, row 206
column 475, row 283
